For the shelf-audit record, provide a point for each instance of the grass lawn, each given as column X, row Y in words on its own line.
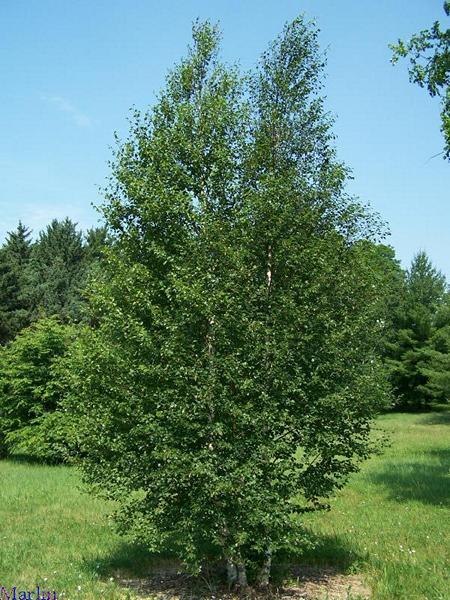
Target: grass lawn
column 391, row 524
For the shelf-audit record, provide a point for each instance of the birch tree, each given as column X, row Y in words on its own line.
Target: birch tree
column 230, row 381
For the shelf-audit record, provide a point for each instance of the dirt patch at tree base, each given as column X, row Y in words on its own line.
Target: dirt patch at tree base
column 302, row 582
column 325, row 583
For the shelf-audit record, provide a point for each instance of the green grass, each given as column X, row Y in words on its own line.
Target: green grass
column 50, row 532
column 391, row 523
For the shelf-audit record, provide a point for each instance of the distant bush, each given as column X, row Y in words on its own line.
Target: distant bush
column 32, row 383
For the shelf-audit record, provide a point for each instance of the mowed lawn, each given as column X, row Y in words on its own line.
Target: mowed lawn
column 391, row 524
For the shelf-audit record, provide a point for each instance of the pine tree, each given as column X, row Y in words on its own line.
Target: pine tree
column 409, row 350
column 436, row 356
column 96, row 240
column 56, row 272
column 14, row 258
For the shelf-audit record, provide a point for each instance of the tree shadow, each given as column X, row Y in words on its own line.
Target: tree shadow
column 436, row 418
column 130, row 559
column 426, row 408
column 326, row 559
column 26, row 459
column 425, row 482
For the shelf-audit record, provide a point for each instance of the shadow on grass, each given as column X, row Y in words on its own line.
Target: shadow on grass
column 436, row 418
column 131, row 560
column 426, row 481
column 420, row 409
column 133, row 567
column 25, row 459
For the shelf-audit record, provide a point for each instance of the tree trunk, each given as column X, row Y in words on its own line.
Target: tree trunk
column 269, row 273
column 210, row 346
column 242, row 576
column 232, row 573
column 264, row 573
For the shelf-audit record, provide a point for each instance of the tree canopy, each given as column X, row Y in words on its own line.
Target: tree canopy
column 429, row 56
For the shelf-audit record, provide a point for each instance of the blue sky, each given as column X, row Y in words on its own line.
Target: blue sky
column 71, row 69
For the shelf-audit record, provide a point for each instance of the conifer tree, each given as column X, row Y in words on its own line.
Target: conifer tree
column 95, row 243
column 437, row 356
column 14, row 258
column 56, row 270
column 408, row 351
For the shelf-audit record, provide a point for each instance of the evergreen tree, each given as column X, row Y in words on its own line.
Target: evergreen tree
column 56, row 272
column 391, row 279
column 408, row 351
column 96, row 240
column 14, row 258
column 436, row 356
column 426, row 285
column 236, row 317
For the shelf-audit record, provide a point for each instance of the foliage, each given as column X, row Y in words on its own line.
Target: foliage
column 56, row 272
column 236, row 318
column 96, row 240
column 14, row 257
column 429, row 56
column 437, row 357
column 417, row 351
column 390, row 279
column 47, row 277
column 31, row 386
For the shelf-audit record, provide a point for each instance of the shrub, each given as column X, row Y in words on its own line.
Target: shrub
column 32, row 383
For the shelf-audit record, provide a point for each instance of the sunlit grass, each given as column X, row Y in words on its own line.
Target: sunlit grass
column 52, row 534
column 393, row 520
column 391, row 523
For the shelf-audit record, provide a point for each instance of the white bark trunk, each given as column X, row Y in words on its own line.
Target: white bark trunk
column 210, row 347
column 210, row 337
column 269, row 268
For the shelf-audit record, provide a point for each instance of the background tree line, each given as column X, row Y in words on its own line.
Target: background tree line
column 45, row 277
column 42, row 287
